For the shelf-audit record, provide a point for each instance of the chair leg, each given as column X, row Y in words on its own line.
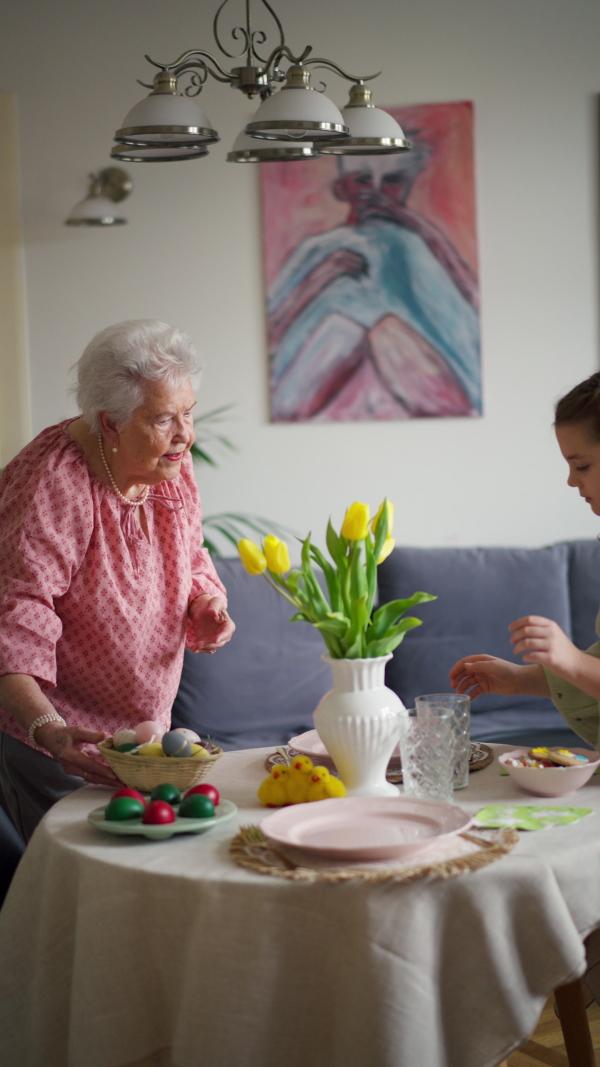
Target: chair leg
column 574, row 1024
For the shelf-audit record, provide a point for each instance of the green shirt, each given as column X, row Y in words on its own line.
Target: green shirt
column 581, row 711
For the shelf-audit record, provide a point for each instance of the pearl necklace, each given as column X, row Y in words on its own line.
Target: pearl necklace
column 132, row 503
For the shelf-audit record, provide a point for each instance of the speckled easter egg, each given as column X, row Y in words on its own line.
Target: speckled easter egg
column 174, row 744
column 124, row 808
column 166, row 791
column 190, row 735
column 145, row 731
column 206, row 790
column 129, row 791
column 123, row 737
column 158, row 812
column 197, row 807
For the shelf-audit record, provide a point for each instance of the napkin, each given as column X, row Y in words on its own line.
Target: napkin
column 527, row 816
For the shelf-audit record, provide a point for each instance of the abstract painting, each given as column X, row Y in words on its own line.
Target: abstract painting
column 372, row 277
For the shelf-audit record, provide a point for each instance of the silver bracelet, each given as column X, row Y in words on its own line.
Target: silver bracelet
column 52, row 716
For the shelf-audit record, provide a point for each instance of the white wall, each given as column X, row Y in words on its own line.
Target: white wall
column 191, row 253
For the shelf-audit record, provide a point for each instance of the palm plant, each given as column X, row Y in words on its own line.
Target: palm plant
column 227, row 527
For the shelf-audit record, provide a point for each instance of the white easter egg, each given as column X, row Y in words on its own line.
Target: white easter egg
column 190, row 735
column 124, row 737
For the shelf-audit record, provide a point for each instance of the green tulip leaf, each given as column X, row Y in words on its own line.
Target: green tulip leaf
column 330, row 577
column 336, row 545
column 388, row 614
column 392, row 638
column 381, row 532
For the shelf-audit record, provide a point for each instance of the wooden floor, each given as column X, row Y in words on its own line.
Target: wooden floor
column 546, row 1043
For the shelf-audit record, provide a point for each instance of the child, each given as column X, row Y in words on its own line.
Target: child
column 558, row 669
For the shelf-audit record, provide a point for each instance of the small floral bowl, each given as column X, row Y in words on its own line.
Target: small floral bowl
column 551, row 781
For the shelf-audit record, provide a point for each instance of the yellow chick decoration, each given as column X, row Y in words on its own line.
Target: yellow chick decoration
column 324, row 785
column 272, row 792
column 298, row 779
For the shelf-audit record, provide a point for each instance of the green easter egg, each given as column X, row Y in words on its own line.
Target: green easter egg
column 124, row 808
column 127, row 747
column 197, row 807
column 166, row 791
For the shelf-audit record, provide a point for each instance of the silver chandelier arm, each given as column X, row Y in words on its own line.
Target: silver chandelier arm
column 250, row 37
column 328, row 64
column 180, row 65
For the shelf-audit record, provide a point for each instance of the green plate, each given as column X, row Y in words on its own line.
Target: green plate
column 128, row 827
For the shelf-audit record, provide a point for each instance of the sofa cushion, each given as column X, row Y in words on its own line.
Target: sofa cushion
column 584, row 590
column 262, row 688
column 480, row 591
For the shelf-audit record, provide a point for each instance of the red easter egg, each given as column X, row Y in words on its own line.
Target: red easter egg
column 158, row 811
column 206, row 790
column 128, row 791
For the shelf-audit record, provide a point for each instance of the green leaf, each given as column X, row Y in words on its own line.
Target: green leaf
column 334, row 623
column 206, row 434
column 330, row 577
column 336, row 545
column 358, row 620
column 382, row 531
column 389, row 613
column 392, row 638
column 312, row 588
column 201, row 456
column 358, row 579
column 371, row 565
column 293, row 579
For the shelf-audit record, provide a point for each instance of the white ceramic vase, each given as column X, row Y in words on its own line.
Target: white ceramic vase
column 358, row 722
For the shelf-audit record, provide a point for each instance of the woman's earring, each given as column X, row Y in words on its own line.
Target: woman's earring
column 115, row 449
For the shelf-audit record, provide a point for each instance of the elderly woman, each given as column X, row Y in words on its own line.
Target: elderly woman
column 103, row 579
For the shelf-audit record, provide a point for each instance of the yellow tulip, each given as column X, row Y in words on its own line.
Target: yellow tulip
column 251, row 556
column 386, row 548
column 356, row 522
column 277, row 555
column 390, row 518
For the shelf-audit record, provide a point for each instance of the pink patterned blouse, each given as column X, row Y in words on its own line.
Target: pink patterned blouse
column 89, row 606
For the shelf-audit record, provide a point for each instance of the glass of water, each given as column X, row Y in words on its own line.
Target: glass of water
column 460, row 706
column 427, row 753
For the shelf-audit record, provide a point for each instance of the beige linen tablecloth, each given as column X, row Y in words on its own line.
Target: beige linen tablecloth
column 122, row 951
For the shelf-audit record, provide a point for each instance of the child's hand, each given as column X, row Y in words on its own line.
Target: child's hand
column 478, row 675
column 541, row 640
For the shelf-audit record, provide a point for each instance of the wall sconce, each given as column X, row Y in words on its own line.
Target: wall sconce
column 107, row 188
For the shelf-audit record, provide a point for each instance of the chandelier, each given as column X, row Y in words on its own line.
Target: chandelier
column 294, row 121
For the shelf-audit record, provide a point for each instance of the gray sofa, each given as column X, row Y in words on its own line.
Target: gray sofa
column 262, row 688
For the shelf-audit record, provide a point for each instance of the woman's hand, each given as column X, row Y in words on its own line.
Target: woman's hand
column 63, row 743
column 212, row 626
column 478, row 675
column 540, row 640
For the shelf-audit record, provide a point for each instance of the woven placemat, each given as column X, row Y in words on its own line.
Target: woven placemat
column 472, row 851
column 480, row 756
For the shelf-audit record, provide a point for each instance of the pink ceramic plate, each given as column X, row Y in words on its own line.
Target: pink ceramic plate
column 551, row 781
column 364, row 828
column 310, row 744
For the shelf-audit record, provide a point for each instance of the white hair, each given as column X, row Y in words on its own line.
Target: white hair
column 120, row 360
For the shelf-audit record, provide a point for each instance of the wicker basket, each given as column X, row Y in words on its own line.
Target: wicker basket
column 146, row 772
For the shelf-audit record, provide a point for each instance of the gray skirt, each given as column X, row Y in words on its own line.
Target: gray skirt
column 31, row 783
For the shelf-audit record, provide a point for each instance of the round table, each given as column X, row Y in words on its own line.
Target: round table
column 122, row 951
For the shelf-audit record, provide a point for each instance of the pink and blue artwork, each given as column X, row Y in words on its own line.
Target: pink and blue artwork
column 372, row 278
